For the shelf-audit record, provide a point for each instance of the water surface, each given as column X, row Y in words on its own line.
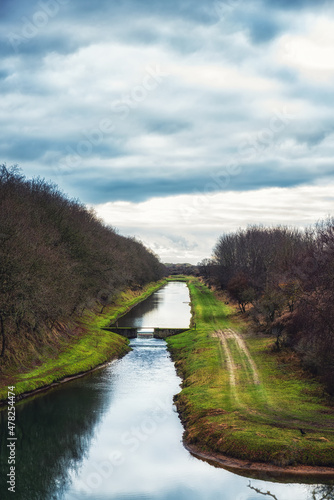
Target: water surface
column 168, row 307
column 115, row 434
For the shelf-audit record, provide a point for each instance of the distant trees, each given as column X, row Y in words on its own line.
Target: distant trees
column 57, row 258
column 185, row 269
column 208, row 269
column 287, row 277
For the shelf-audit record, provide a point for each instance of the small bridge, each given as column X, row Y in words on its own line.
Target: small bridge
column 145, row 332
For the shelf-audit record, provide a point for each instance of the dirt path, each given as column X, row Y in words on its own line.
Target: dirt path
column 229, row 359
column 223, row 335
column 242, row 346
column 233, row 368
column 249, row 367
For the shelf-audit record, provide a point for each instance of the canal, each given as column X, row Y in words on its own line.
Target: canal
column 115, row 434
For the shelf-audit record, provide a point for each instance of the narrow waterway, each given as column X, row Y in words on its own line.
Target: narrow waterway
column 115, row 434
column 168, row 307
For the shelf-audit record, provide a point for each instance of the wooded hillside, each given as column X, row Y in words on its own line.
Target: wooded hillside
column 57, row 258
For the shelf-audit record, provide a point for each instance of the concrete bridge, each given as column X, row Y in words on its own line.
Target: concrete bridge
column 145, row 332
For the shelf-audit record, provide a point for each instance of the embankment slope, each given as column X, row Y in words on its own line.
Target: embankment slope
column 241, row 400
column 87, row 347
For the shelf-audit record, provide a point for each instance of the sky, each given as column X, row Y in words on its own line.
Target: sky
column 176, row 121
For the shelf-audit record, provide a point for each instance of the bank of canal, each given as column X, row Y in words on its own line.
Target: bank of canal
column 115, row 435
column 84, row 347
column 241, row 400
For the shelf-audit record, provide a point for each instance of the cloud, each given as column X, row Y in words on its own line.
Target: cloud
column 186, row 227
column 99, row 186
column 129, row 101
column 293, row 4
column 263, row 29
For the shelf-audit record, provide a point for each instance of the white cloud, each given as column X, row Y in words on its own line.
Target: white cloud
column 311, row 51
column 181, row 228
column 217, row 106
column 228, row 77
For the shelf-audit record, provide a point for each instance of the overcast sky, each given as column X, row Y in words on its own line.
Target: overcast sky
column 178, row 121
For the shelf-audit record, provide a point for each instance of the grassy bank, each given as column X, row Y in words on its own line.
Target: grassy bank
column 88, row 347
column 242, row 400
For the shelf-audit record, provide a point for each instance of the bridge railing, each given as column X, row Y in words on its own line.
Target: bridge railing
column 158, row 332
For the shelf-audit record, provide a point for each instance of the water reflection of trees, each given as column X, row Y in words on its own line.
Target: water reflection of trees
column 260, row 492
column 168, row 308
column 134, row 317
column 53, row 436
column 323, row 492
column 319, row 492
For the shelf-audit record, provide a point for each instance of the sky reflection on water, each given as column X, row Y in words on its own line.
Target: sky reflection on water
column 115, row 435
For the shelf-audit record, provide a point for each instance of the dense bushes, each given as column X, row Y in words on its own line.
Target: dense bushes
column 57, row 258
column 287, row 276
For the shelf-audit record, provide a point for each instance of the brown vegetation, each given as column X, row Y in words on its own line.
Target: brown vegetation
column 284, row 278
column 57, row 259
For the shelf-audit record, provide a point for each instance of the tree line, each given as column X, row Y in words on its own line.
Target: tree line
column 58, row 258
column 284, row 278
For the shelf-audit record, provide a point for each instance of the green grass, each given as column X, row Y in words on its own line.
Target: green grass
column 258, row 422
column 86, row 351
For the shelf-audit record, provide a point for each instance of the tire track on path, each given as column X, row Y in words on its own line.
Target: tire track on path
column 231, row 366
column 242, row 346
column 271, row 412
column 229, row 359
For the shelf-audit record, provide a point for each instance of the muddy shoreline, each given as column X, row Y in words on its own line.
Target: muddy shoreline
column 264, row 471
